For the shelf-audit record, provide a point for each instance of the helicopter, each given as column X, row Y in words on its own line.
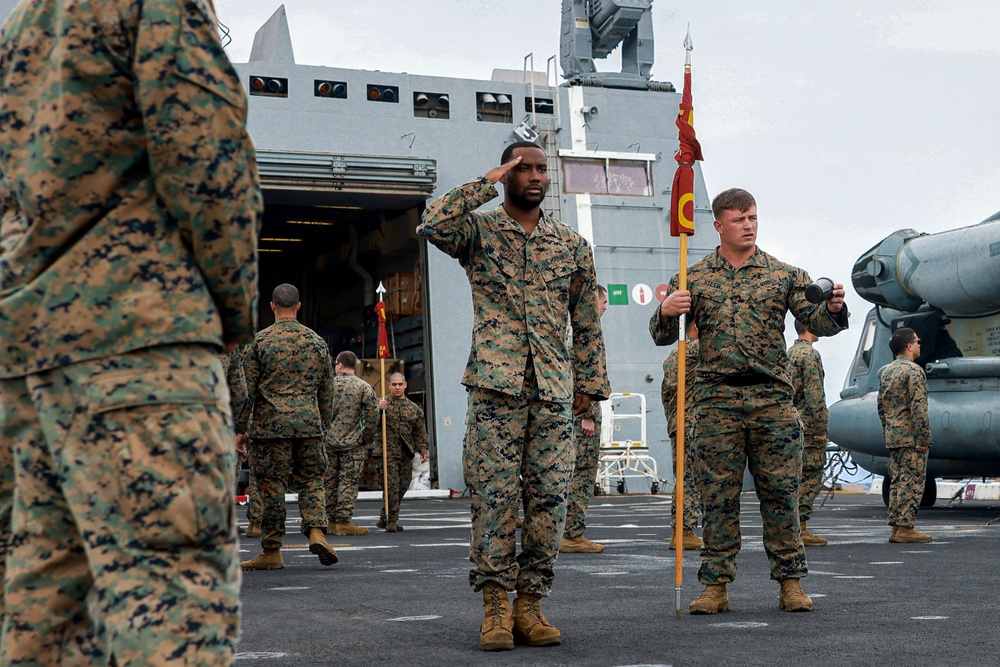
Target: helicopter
column 946, row 287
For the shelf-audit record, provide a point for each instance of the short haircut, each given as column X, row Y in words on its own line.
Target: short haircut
column 508, row 152
column 602, row 290
column 800, row 328
column 733, row 199
column 347, row 358
column 285, row 296
column 900, row 339
column 393, row 376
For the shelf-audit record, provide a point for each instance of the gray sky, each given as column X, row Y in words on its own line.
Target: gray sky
column 847, row 120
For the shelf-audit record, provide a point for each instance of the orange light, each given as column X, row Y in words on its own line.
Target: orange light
column 373, row 93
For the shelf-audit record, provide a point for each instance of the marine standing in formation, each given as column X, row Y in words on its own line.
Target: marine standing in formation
column 352, row 431
column 805, row 369
column 692, row 478
column 406, row 436
column 738, row 296
column 290, row 387
column 906, row 429
column 531, row 277
column 587, row 435
column 128, row 235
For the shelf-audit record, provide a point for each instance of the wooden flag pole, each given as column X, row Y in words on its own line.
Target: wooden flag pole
column 679, row 444
column 385, row 447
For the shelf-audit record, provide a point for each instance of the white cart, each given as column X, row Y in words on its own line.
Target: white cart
column 624, row 449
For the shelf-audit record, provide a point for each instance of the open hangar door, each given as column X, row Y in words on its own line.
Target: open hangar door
column 335, row 226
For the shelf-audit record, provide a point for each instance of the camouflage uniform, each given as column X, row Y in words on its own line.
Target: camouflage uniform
column 743, row 408
column 290, row 383
column 406, row 435
column 668, row 396
column 128, row 242
column 805, row 368
column 585, row 462
column 241, row 417
column 352, row 430
column 232, row 366
column 902, row 407
column 521, row 376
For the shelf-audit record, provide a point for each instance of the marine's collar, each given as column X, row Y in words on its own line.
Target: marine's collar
column 759, row 258
column 546, row 224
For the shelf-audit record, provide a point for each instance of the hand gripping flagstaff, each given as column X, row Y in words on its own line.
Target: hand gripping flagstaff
column 681, row 225
column 383, row 352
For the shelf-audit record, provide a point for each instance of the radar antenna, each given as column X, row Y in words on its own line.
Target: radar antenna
column 594, row 28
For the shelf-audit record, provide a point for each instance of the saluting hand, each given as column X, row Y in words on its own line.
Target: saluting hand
column 495, row 174
column 836, row 302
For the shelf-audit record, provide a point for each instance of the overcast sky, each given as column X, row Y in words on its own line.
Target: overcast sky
column 847, row 120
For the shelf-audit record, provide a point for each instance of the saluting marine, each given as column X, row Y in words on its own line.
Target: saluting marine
column 531, row 278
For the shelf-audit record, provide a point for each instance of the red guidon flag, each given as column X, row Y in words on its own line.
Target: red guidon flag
column 383, row 337
column 689, row 150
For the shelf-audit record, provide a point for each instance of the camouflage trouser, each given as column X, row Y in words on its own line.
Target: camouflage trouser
column 399, row 473
column 692, row 483
column 504, row 436
column 255, row 507
column 813, row 463
column 305, row 461
column 758, row 425
column 123, row 545
column 581, row 487
column 343, row 476
column 907, row 475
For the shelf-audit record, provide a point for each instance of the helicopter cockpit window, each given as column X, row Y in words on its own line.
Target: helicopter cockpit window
column 864, row 356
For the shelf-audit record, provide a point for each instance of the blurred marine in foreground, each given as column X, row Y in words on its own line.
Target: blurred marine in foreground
column 130, row 212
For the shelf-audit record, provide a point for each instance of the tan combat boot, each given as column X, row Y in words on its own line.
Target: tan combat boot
column 268, row 559
column 892, row 533
column 529, row 623
column 579, row 545
column 253, row 530
column 689, row 540
column 393, row 527
column 906, row 535
column 319, row 546
column 812, row 540
column 496, row 632
column 381, row 521
column 792, row 598
column 711, row 601
column 345, row 529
